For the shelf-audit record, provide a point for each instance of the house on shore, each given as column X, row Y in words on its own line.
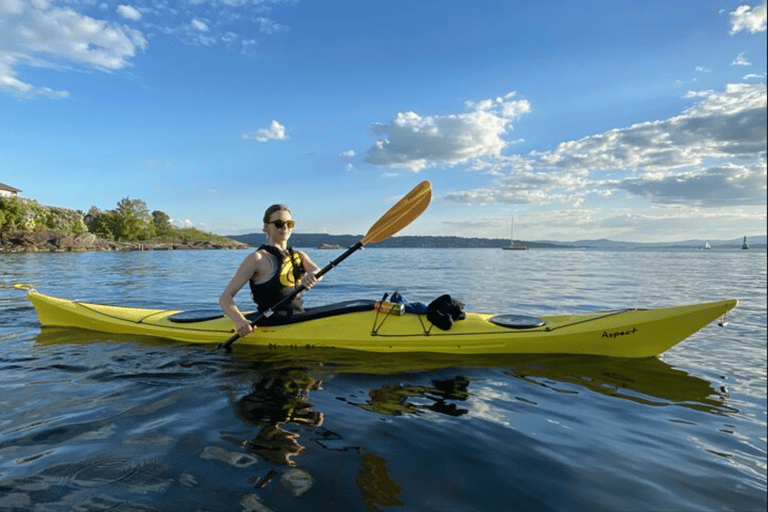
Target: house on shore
column 6, row 191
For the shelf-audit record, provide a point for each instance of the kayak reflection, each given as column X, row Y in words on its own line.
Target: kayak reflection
column 274, row 394
column 649, row 381
column 644, row 380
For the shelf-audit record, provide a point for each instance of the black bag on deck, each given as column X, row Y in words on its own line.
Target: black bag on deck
column 444, row 311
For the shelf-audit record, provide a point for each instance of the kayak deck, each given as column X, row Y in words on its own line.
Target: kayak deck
column 356, row 325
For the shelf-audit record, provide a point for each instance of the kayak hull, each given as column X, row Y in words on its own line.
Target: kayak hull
column 625, row 333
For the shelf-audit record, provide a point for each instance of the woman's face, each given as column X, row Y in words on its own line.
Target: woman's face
column 279, row 227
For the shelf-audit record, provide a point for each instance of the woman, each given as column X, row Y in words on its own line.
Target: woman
column 273, row 272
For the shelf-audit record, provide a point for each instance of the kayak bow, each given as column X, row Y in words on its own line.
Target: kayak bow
column 357, row 325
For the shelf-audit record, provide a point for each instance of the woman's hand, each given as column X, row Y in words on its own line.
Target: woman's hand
column 309, row 280
column 244, row 327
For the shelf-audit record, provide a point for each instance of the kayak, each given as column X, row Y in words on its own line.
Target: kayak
column 365, row 325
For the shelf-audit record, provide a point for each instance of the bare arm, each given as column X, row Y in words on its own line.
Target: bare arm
column 252, row 264
column 309, row 279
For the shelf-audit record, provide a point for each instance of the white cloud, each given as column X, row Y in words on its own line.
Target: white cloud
column 275, row 131
column 749, row 19
column 350, row 153
column 92, row 34
column 415, row 142
column 207, row 23
column 741, row 60
column 37, row 33
column 129, row 12
column 199, row 25
column 712, row 154
column 729, row 185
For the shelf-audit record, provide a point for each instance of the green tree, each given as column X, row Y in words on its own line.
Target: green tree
column 103, row 224
column 12, row 212
column 162, row 223
column 133, row 221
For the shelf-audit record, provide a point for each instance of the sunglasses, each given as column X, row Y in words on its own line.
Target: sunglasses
column 281, row 224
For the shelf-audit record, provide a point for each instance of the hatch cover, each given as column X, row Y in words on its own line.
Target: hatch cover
column 518, row 321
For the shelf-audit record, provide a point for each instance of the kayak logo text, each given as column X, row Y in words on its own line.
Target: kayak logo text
column 607, row 334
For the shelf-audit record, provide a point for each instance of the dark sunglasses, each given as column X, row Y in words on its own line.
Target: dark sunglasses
column 280, row 224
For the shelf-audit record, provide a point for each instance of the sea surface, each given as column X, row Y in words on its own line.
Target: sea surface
column 93, row 421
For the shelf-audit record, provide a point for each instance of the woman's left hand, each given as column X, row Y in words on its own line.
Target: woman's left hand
column 309, row 280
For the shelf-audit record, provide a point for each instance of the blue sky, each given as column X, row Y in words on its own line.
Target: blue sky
column 639, row 121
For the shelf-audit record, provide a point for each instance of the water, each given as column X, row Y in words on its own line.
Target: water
column 92, row 421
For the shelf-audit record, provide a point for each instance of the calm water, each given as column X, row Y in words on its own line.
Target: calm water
column 93, row 421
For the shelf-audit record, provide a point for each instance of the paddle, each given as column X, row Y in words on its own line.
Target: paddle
column 403, row 213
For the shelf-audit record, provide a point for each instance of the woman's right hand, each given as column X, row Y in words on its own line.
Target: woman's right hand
column 244, row 328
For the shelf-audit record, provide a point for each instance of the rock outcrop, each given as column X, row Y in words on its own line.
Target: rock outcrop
column 61, row 241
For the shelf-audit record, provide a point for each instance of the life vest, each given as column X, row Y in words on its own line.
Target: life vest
column 289, row 272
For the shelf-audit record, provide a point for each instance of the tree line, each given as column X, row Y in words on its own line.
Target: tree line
column 130, row 221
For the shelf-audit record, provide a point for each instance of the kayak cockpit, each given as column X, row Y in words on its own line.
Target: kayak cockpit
column 339, row 308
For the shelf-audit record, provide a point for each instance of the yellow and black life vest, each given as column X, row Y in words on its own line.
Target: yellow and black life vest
column 282, row 284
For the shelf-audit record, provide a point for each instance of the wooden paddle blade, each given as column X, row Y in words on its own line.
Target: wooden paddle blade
column 403, row 213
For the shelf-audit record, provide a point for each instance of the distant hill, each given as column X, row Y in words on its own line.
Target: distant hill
column 314, row 240
column 755, row 242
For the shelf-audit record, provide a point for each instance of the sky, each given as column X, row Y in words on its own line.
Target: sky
column 627, row 120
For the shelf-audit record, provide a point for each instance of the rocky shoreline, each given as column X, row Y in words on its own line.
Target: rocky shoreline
column 61, row 241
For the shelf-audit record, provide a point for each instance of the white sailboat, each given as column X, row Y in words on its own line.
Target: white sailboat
column 512, row 245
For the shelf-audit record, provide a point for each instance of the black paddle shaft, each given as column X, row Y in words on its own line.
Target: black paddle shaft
column 268, row 312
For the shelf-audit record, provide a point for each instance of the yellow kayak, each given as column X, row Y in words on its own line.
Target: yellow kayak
column 360, row 325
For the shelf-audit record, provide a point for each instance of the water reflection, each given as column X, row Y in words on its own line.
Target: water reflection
column 285, row 377
column 279, row 397
column 394, row 400
column 648, row 381
column 275, row 395
column 375, row 484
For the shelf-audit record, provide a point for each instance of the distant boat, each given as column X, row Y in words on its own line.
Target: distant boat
column 329, row 246
column 745, row 245
column 512, row 245
column 707, row 245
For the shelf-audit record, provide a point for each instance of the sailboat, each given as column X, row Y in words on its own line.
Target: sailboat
column 512, row 245
column 745, row 245
column 707, row 245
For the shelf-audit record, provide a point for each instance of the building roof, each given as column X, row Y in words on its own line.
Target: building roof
column 3, row 186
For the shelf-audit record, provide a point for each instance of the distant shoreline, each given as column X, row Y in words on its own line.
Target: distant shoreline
column 318, row 240
column 47, row 241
